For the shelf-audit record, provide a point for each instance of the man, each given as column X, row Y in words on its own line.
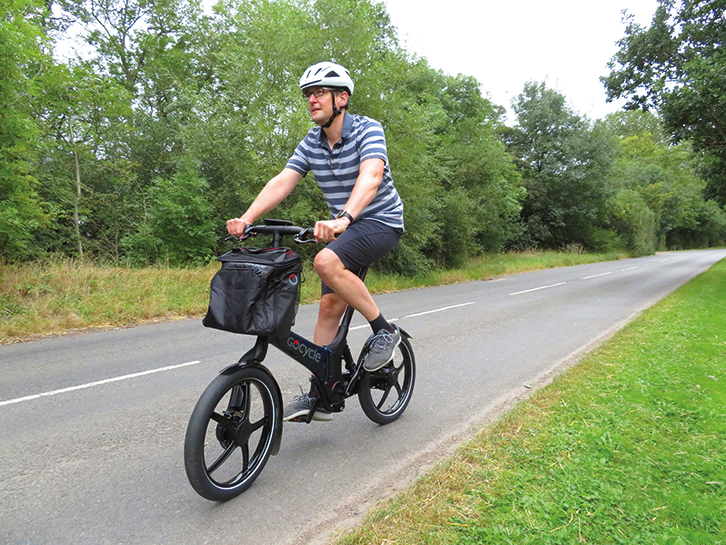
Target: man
column 348, row 157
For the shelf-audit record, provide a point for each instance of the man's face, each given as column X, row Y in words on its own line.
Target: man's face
column 320, row 103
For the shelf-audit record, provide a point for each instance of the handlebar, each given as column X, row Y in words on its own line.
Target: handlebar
column 278, row 229
column 302, row 234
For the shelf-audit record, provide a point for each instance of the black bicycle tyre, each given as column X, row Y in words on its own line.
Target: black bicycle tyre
column 386, row 380
column 214, row 435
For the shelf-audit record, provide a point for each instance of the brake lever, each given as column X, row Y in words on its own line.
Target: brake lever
column 247, row 234
column 301, row 237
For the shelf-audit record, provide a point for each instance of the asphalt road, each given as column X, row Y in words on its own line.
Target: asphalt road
column 91, row 450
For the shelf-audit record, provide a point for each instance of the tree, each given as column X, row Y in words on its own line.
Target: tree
column 482, row 190
column 565, row 161
column 129, row 104
column 659, row 200
column 84, row 119
column 677, row 67
column 22, row 59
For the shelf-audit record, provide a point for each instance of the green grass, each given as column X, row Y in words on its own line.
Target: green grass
column 55, row 296
column 629, row 447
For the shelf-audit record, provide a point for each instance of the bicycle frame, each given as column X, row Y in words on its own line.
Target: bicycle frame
column 324, row 362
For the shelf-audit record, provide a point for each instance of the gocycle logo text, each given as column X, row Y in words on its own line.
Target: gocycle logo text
column 306, row 351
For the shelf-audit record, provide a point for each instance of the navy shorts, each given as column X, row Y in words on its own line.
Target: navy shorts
column 363, row 243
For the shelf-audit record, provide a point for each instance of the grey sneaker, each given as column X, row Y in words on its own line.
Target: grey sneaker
column 383, row 344
column 302, row 405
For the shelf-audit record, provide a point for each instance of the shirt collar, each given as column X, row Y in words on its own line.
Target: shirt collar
column 345, row 133
column 347, row 125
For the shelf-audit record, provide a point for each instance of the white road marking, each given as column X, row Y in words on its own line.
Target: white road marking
column 97, row 383
column 596, row 275
column 420, row 314
column 438, row 310
column 539, row 288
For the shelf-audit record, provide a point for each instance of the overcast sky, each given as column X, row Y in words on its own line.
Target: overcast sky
column 505, row 43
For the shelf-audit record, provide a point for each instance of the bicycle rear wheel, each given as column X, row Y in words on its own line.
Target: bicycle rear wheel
column 385, row 394
column 231, row 433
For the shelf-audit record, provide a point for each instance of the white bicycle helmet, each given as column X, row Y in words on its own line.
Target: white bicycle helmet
column 327, row 74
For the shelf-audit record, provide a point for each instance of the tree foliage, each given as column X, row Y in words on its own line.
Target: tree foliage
column 221, row 92
column 677, row 67
column 22, row 57
column 176, row 226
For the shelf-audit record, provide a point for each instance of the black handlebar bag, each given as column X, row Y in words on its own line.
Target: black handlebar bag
column 256, row 292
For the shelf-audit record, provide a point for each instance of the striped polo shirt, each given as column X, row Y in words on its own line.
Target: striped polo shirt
column 336, row 170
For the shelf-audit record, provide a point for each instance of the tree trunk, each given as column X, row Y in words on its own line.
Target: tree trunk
column 76, row 204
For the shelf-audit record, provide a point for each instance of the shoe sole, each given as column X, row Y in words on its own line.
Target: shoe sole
column 318, row 416
column 293, row 416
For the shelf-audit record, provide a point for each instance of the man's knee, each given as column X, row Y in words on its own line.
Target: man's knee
column 326, row 262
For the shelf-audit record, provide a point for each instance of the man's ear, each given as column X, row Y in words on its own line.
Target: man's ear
column 344, row 103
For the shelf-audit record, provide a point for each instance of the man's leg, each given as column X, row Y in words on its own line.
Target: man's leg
column 359, row 249
column 330, row 312
column 363, row 243
column 346, row 284
column 353, row 291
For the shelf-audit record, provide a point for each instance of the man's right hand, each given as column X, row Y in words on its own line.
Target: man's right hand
column 236, row 226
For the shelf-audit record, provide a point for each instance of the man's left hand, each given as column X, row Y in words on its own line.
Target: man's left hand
column 325, row 231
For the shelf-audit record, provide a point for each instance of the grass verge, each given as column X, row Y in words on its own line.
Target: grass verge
column 55, row 296
column 629, row 446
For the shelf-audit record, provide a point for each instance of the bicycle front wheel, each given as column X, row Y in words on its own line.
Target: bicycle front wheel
column 385, row 394
column 231, row 433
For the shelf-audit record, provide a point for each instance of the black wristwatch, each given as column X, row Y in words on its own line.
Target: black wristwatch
column 344, row 214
